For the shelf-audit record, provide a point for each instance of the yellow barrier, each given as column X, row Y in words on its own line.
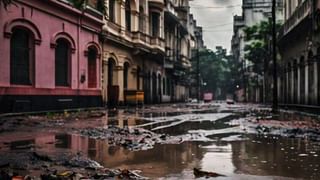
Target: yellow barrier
column 134, row 97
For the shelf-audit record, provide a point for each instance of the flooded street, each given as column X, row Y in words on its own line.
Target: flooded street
column 166, row 142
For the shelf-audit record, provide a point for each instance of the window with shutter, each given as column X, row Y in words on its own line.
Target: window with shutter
column 155, row 22
column 128, row 15
column 21, row 57
column 62, row 62
column 92, row 67
column 111, row 10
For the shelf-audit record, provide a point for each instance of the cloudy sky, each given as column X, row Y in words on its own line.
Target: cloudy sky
column 216, row 18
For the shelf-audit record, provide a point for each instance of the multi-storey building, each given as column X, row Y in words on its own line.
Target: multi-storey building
column 146, row 49
column 115, row 51
column 50, row 55
column 253, row 12
column 133, row 50
column 299, row 38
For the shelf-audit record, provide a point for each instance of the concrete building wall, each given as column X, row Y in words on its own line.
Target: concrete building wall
column 47, row 22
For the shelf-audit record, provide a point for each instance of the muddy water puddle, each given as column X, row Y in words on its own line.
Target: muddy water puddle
column 228, row 150
column 266, row 157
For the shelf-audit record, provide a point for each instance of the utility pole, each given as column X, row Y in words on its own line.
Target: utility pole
column 198, row 76
column 274, row 56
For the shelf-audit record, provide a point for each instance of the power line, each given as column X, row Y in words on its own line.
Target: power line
column 198, row 6
column 217, row 25
column 221, row 30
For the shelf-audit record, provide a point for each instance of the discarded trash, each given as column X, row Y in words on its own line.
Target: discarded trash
column 199, row 173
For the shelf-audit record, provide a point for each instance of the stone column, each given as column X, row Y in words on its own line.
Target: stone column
column 119, row 74
column 104, row 81
column 315, row 83
column 306, row 83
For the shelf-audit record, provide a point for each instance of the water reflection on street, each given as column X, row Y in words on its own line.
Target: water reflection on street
column 261, row 156
column 257, row 156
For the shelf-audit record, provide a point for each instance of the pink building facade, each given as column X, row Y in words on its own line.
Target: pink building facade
column 50, row 56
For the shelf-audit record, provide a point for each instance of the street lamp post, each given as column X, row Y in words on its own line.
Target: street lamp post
column 274, row 56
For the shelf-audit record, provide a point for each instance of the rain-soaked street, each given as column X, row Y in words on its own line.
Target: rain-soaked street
column 163, row 142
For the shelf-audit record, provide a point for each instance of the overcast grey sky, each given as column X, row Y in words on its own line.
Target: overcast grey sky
column 216, row 18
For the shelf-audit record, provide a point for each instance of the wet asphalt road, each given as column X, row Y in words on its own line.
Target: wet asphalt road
column 238, row 141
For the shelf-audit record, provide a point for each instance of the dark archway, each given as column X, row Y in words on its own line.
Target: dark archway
column 154, row 88
column 113, row 90
column 159, row 88
column 147, row 87
column 125, row 75
column 138, row 78
column 111, row 67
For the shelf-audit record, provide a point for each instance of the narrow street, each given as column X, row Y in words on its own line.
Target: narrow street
column 162, row 142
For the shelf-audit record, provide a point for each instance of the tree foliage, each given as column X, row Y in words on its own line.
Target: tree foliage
column 218, row 70
column 256, row 49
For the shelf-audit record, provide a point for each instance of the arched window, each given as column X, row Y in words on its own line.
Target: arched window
column 92, row 67
column 21, row 57
column 128, row 15
column 125, row 75
column 62, row 62
column 112, row 11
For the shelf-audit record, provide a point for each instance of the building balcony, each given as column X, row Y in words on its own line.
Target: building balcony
column 158, row 43
column 114, row 27
column 140, row 37
column 301, row 12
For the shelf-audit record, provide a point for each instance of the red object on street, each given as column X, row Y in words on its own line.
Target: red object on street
column 207, row 97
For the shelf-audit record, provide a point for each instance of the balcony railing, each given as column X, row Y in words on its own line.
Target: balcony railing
column 157, row 41
column 140, row 37
column 301, row 12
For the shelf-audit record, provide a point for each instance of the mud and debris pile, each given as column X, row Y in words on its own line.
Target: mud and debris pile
column 130, row 138
column 60, row 167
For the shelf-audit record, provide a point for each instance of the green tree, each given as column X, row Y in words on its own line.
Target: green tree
column 217, row 70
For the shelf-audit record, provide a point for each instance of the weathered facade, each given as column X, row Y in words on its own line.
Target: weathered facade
column 50, row 56
column 56, row 55
column 299, row 67
column 146, row 50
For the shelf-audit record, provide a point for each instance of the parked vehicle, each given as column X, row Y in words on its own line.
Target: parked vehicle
column 207, row 97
